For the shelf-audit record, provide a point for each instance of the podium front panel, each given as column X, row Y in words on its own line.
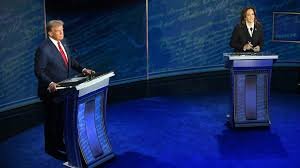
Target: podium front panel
column 250, row 94
column 250, row 79
column 85, row 134
column 93, row 141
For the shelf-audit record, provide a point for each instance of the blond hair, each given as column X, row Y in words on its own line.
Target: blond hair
column 53, row 23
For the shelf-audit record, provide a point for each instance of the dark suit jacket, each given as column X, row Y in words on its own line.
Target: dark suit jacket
column 49, row 66
column 240, row 37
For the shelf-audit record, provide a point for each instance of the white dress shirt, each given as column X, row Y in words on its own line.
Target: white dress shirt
column 56, row 45
column 249, row 26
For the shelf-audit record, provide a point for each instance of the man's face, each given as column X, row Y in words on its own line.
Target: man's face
column 250, row 16
column 57, row 33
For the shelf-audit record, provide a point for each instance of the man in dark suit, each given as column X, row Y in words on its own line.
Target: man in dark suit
column 53, row 64
column 247, row 36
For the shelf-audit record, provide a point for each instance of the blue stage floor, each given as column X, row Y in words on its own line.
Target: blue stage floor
column 180, row 131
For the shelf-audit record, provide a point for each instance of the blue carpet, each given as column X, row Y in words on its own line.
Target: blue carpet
column 184, row 131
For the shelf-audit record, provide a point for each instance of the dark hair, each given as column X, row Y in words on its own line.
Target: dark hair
column 243, row 15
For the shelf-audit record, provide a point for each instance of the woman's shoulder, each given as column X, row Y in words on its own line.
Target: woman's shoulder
column 258, row 25
column 239, row 26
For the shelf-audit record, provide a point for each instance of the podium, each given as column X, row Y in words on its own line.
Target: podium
column 86, row 140
column 250, row 80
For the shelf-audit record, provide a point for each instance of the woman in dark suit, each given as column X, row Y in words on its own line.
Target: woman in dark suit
column 247, row 36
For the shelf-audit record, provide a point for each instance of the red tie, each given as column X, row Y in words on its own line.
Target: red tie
column 63, row 55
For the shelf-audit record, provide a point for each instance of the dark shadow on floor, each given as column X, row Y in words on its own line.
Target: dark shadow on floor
column 135, row 160
column 250, row 143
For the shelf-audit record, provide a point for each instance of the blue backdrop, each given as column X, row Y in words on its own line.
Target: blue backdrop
column 185, row 36
column 286, row 26
column 21, row 29
column 107, row 36
column 192, row 35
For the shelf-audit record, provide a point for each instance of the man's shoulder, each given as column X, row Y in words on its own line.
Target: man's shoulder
column 44, row 47
column 44, row 44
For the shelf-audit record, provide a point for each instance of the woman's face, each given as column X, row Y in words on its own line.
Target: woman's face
column 250, row 17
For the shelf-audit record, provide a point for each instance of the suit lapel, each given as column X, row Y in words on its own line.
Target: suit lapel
column 245, row 29
column 66, row 49
column 254, row 32
column 56, row 53
column 67, row 52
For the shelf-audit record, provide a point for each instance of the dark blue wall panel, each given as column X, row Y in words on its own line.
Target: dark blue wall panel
column 110, row 38
column 286, row 27
column 185, row 36
column 192, row 35
column 21, row 29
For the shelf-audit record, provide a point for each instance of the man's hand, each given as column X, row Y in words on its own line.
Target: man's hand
column 87, row 72
column 256, row 49
column 52, row 87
